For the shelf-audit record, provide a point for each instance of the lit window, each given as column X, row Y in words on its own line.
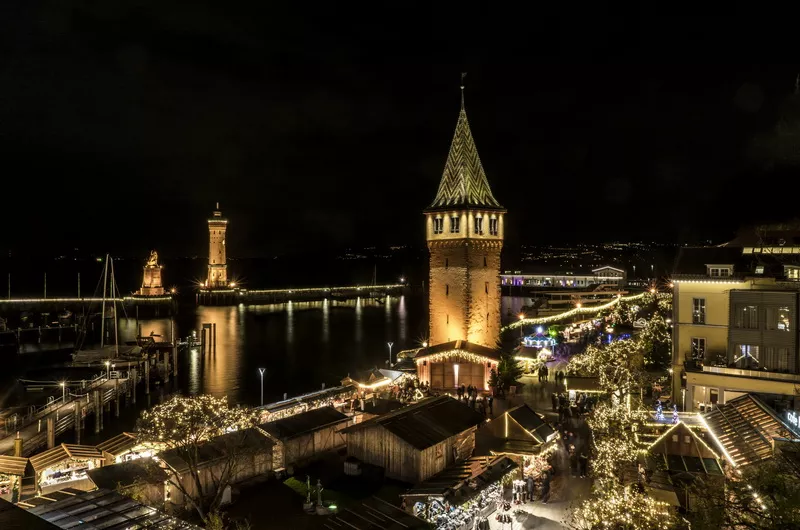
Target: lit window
column 438, row 225
column 760, row 269
column 479, row 225
column 455, row 224
column 698, row 311
column 493, row 227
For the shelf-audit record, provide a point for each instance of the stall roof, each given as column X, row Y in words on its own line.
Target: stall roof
column 328, row 393
column 250, row 440
column 107, row 510
column 63, row 452
column 745, row 428
column 303, row 423
column 124, row 474
column 379, row 406
column 375, row 514
column 484, row 470
column 459, row 345
column 532, row 422
column 119, row 444
column 13, row 465
column 427, row 422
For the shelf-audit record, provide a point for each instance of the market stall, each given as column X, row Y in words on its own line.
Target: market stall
column 12, row 469
column 65, row 466
column 126, row 447
column 464, row 495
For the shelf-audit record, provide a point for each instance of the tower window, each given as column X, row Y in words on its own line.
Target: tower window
column 455, row 224
column 486, row 287
column 493, row 227
column 448, row 318
column 446, row 263
column 484, row 261
column 447, row 290
column 438, row 225
column 479, row 225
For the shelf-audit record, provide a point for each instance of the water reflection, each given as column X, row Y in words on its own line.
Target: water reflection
column 301, row 344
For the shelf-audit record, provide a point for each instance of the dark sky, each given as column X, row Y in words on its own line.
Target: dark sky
column 121, row 123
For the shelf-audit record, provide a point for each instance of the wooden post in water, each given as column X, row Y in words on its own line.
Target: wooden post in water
column 98, row 412
column 174, row 359
column 166, row 367
column 116, row 397
column 214, row 329
column 147, row 374
column 78, row 426
column 133, row 385
column 51, row 431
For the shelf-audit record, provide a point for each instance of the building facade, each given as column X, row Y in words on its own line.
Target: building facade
column 464, row 228
column 735, row 329
column 217, row 261
column 606, row 275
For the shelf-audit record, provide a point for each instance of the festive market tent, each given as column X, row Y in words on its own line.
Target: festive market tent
column 451, row 364
column 377, row 379
column 524, row 436
column 417, row 441
column 125, row 447
column 250, row 449
column 303, row 436
column 65, row 465
column 374, row 514
column 12, row 469
column 101, row 508
column 674, row 462
column 470, row 488
column 745, row 429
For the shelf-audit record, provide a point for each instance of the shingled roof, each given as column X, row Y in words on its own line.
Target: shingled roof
column 426, row 423
column 464, row 182
column 303, row 423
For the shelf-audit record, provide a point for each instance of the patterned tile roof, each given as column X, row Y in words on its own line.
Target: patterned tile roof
column 464, row 183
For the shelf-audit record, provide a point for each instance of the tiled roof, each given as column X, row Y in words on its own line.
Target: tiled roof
column 484, row 470
column 304, row 422
column 464, row 182
column 426, row 423
column 745, row 428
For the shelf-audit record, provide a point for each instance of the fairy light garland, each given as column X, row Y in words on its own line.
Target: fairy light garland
column 455, row 354
column 573, row 312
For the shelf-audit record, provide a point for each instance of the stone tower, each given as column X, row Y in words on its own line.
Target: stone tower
column 464, row 227
column 217, row 267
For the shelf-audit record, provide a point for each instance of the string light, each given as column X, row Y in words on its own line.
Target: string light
column 455, row 354
column 573, row 312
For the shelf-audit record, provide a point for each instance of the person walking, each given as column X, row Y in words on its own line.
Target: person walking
column 554, row 399
column 491, row 402
column 583, row 462
column 546, row 486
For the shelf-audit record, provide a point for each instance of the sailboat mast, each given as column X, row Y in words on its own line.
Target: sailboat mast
column 114, row 297
column 103, row 311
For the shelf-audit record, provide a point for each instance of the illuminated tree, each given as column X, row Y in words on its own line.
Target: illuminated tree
column 185, row 424
column 618, row 507
column 656, row 341
column 508, row 373
column 619, row 366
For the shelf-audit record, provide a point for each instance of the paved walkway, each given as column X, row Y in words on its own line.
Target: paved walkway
column 565, row 488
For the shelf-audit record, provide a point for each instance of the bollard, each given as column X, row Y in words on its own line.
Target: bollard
column 51, row 432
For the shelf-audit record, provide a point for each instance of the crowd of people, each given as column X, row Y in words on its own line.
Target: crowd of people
column 470, row 396
column 568, row 408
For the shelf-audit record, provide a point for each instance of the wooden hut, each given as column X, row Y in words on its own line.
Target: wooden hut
column 416, row 442
column 253, row 457
column 12, row 470
column 65, row 466
column 521, row 431
column 302, row 436
column 142, row 479
column 452, row 364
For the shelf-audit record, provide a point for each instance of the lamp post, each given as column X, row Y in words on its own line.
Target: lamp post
column 390, row 344
column 521, row 318
column 108, row 369
column 63, row 392
column 261, row 371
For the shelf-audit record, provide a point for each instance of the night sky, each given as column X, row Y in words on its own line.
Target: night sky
column 122, row 123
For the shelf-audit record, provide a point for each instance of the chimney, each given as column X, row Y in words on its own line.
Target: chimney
column 18, row 445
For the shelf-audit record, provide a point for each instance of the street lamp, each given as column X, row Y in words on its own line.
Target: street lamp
column 108, row 369
column 425, row 344
column 261, row 371
column 63, row 392
column 521, row 318
column 390, row 344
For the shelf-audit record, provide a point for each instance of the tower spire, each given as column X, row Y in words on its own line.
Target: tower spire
column 463, row 75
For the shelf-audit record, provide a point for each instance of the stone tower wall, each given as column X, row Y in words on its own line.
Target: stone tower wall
column 217, row 268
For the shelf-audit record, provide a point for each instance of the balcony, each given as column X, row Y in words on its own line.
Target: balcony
column 756, row 374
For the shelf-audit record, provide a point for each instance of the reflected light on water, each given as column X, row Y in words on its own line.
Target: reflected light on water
column 326, row 320
column 402, row 315
column 359, row 331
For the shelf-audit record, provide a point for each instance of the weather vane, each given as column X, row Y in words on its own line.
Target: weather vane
column 463, row 75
